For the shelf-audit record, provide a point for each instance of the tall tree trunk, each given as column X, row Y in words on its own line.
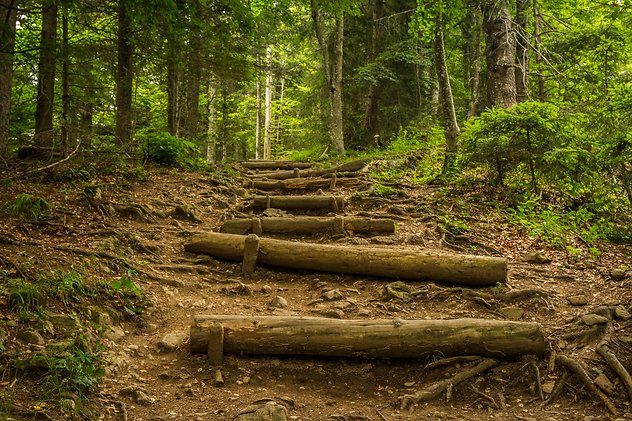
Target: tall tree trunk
column 65, row 83
column 192, row 114
column 280, row 112
column 224, row 124
column 211, row 92
column 44, row 134
column 500, row 49
column 258, row 119
column 337, row 130
column 124, row 79
column 8, row 19
column 451, row 129
column 522, row 50
column 267, row 124
column 172, row 83
column 538, row 52
column 473, row 30
column 372, row 101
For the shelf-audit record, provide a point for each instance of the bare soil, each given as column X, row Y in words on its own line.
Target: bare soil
column 134, row 225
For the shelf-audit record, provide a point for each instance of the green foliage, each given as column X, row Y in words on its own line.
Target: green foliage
column 163, row 148
column 24, row 296
column 126, row 293
column 70, row 288
column 382, row 190
column 29, row 206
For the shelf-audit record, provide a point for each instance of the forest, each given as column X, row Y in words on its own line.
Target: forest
column 482, row 143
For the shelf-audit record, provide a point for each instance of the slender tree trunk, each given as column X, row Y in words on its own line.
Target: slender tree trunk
column 451, row 129
column 258, row 119
column 372, row 101
column 538, row 52
column 211, row 92
column 172, row 84
column 192, row 114
column 522, row 50
column 337, row 130
column 473, row 34
column 86, row 103
column 124, row 79
column 500, row 49
column 44, row 134
column 224, row 125
column 8, row 19
column 65, row 82
column 280, row 112
column 267, row 125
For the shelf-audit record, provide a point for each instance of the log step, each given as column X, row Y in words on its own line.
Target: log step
column 308, row 225
column 302, row 183
column 372, row 261
column 333, row 203
column 396, row 338
column 274, row 165
column 348, row 167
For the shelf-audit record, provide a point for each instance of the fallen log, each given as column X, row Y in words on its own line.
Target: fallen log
column 273, row 165
column 372, row 261
column 308, row 225
column 301, row 184
column 396, row 338
column 348, row 167
column 335, row 203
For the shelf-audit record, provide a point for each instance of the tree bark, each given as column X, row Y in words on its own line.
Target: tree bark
column 473, row 34
column 522, row 50
column 350, row 166
column 173, row 58
column 372, row 100
column 44, row 132
column 273, row 165
column 538, row 52
column 499, row 51
column 258, row 119
column 337, row 129
column 65, row 84
column 396, row 338
column 211, row 92
column 191, row 129
column 267, row 124
column 302, row 184
column 371, row 261
column 280, row 111
column 8, row 19
column 308, row 225
column 334, row 203
column 124, row 78
column 451, row 126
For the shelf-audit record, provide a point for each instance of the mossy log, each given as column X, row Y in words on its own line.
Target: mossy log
column 309, row 225
column 396, row 338
column 275, row 165
column 334, row 203
column 381, row 262
column 302, row 184
column 348, row 167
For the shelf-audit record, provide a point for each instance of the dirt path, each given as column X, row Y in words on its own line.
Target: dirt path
column 153, row 376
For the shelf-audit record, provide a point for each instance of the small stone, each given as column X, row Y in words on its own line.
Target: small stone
column 114, row 333
column 618, row 274
column 333, row 295
column 621, row 313
column 357, row 241
column 64, row 322
column 199, row 303
column 409, row 384
column 68, row 405
column 279, row 302
column 268, row 411
column 512, row 313
column 172, row 341
column 536, row 257
column 137, row 394
column 266, row 289
column 32, row 337
column 547, row 387
column 603, row 382
column 578, row 300
column 333, row 313
column 594, row 319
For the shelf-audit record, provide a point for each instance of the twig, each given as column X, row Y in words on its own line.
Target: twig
column 559, row 386
column 435, row 390
column 617, row 367
column 452, row 360
column 577, row 369
column 33, row 171
column 538, row 380
column 492, row 402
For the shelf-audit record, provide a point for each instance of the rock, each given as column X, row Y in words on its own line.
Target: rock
column 114, row 333
column 603, row 382
column 536, row 257
column 512, row 313
column 263, row 411
column 199, row 303
column 621, row 313
column 397, row 291
column 272, row 212
column 187, row 212
column 386, row 240
column 64, row 322
column 266, row 289
column 594, row 319
column 32, row 337
column 618, row 274
column 333, row 313
column 359, row 241
column 278, row 302
column 68, row 405
column 172, row 341
column 578, row 300
column 547, row 387
column 137, row 394
column 333, row 295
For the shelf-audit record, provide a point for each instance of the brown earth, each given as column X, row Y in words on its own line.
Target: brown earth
column 134, row 225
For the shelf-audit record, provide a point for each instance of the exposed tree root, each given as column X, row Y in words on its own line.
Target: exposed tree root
column 617, row 367
column 576, row 368
column 452, row 360
column 435, row 390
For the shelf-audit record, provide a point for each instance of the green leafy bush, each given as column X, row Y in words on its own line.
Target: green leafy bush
column 163, row 148
column 29, row 206
column 24, row 296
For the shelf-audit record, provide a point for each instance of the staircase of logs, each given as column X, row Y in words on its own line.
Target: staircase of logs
column 302, row 191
